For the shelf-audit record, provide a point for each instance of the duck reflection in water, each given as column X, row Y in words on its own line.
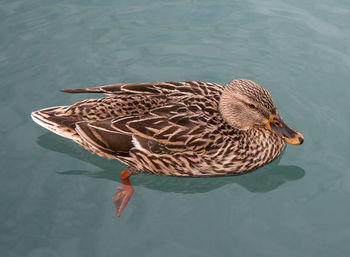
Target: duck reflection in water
column 181, row 129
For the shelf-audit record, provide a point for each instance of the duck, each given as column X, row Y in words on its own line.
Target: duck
column 184, row 129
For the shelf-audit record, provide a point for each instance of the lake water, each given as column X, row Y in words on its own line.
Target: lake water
column 56, row 198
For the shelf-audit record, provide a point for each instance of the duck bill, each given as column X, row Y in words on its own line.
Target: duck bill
column 289, row 135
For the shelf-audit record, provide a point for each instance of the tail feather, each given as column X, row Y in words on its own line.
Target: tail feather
column 66, row 126
column 62, row 126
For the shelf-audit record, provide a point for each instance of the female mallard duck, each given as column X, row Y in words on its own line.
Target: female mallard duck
column 192, row 129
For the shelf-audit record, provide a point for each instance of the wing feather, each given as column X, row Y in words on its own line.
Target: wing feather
column 101, row 135
column 184, row 87
column 161, row 132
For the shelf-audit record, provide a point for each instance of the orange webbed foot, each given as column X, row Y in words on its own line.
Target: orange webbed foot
column 125, row 192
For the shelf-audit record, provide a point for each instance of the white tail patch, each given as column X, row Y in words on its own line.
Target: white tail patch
column 42, row 120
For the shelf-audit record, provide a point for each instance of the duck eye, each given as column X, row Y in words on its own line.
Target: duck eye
column 252, row 106
column 278, row 123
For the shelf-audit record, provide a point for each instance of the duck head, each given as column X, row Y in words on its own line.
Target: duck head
column 245, row 104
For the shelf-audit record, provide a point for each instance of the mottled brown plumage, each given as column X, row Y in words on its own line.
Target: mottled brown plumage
column 176, row 128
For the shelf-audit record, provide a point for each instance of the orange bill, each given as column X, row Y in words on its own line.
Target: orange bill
column 290, row 135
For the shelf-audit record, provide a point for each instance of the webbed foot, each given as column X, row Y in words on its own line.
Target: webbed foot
column 125, row 192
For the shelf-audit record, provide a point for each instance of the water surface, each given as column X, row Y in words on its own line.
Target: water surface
column 56, row 198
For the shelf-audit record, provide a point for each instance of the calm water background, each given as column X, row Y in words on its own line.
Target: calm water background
column 56, row 198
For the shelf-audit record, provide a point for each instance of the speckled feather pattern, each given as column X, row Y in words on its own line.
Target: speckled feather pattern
column 166, row 128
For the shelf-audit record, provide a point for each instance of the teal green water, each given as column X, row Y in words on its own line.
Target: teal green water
column 56, row 198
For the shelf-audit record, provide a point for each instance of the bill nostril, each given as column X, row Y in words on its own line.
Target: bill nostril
column 301, row 140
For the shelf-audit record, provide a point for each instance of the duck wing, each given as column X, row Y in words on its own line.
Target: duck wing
column 165, row 112
column 173, row 129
